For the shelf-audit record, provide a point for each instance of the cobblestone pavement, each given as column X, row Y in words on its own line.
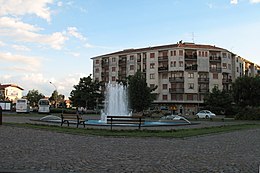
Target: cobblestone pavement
column 25, row 150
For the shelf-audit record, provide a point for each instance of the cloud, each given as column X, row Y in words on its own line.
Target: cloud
column 20, row 31
column 22, row 7
column 2, row 43
column 20, row 47
column 254, row 1
column 27, row 63
column 234, row 2
column 73, row 31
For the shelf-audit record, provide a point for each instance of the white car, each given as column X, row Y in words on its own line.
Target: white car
column 205, row 114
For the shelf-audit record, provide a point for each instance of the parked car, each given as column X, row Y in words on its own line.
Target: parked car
column 205, row 114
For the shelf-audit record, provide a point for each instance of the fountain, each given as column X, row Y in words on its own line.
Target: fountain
column 116, row 101
column 116, row 104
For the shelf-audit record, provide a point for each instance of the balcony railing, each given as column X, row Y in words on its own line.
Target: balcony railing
column 203, row 90
column 163, row 58
column 215, row 58
column 226, row 81
column 176, row 79
column 191, row 67
column 176, row 90
column 191, row 57
column 105, row 63
column 215, row 69
column 164, row 68
column 203, row 80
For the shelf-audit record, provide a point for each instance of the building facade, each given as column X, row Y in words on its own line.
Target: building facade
column 183, row 72
column 10, row 92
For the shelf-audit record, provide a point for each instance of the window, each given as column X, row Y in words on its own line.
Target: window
column 165, row 97
column 191, row 85
column 152, row 85
column 224, row 65
column 202, row 54
column 224, row 55
column 189, row 97
column 132, row 67
column 229, row 66
column 199, row 53
column 113, row 78
column 237, row 69
column 131, row 57
column 113, row 69
column 151, row 55
column 164, row 76
column 165, row 86
column 181, row 63
column 113, row 59
column 174, row 53
column 97, row 70
column 97, row 61
column 152, row 76
column 180, row 52
column 152, row 65
column 206, row 54
column 191, row 75
column 171, row 53
column 215, row 75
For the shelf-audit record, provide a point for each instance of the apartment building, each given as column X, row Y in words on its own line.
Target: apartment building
column 183, row 72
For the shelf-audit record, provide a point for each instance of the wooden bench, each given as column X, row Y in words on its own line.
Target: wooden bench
column 67, row 118
column 125, row 120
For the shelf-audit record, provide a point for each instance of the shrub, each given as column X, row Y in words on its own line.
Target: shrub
column 248, row 113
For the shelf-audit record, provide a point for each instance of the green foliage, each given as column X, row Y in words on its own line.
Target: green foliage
column 86, row 93
column 140, row 95
column 33, row 97
column 248, row 113
column 56, row 98
column 219, row 102
column 246, row 91
column 60, row 110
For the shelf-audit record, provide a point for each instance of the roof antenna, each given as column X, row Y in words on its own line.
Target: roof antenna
column 193, row 37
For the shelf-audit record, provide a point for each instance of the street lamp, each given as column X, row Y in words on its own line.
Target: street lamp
column 54, row 86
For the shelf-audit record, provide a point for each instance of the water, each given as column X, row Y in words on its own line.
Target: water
column 116, row 101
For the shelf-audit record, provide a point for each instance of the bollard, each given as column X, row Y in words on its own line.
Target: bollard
column 1, row 117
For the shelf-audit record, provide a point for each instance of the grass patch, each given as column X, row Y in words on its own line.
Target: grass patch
column 179, row 133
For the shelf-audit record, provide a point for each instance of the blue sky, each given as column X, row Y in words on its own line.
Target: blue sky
column 43, row 41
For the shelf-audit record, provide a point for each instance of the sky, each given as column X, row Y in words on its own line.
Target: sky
column 48, row 44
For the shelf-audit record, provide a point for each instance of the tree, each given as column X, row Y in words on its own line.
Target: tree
column 86, row 93
column 219, row 102
column 34, row 96
column 246, row 91
column 56, row 98
column 140, row 95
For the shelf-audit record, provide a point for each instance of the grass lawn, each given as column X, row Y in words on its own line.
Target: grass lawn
column 179, row 133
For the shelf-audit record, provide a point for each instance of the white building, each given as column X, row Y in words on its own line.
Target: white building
column 183, row 72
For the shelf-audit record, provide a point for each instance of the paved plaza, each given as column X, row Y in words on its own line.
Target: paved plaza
column 28, row 150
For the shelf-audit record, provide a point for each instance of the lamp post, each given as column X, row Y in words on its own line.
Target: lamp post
column 54, row 90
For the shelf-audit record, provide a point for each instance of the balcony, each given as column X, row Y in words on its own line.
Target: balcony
column 162, row 58
column 215, row 58
column 191, row 57
column 162, row 69
column 176, row 79
column 203, row 80
column 105, row 63
column 226, row 81
column 193, row 67
column 122, row 61
column 215, row 69
column 203, row 90
column 176, row 90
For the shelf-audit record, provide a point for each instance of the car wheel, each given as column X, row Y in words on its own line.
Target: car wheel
column 207, row 117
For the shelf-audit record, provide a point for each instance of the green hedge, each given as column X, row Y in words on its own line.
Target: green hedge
column 248, row 113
